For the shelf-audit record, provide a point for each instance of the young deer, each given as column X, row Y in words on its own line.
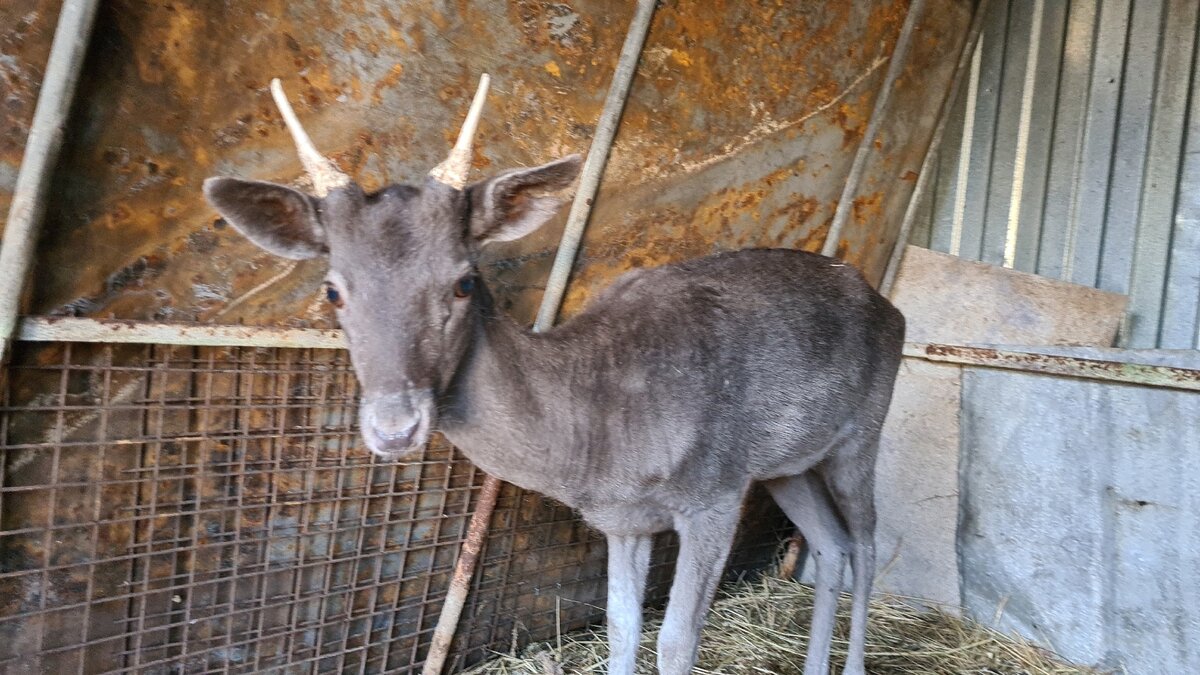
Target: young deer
column 655, row 408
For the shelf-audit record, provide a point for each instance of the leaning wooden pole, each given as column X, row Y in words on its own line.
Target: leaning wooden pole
column 41, row 153
column 589, row 183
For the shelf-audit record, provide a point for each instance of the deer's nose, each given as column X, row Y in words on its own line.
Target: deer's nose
column 393, row 427
column 392, row 424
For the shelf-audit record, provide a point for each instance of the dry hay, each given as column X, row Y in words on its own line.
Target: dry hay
column 762, row 627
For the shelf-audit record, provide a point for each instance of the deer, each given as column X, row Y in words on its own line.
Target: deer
column 656, row 407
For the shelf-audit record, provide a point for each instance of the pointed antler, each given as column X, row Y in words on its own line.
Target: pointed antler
column 324, row 173
column 453, row 171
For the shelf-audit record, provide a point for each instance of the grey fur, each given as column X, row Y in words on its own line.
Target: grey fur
column 655, row 408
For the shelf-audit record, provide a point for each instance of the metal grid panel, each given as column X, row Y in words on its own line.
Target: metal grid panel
column 205, row 510
column 1071, row 156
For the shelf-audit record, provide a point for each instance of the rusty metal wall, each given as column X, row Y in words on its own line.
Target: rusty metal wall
column 741, row 125
column 1075, row 153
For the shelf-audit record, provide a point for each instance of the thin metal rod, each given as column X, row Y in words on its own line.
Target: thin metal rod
column 1015, row 358
column 593, row 166
column 41, row 153
column 74, row 329
column 961, row 69
column 581, row 207
column 111, row 331
column 882, row 101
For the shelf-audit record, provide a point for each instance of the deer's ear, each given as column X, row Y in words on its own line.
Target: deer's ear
column 511, row 205
column 277, row 218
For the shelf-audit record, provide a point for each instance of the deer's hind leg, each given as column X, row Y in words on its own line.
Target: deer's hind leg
column 850, row 477
column 807, row 502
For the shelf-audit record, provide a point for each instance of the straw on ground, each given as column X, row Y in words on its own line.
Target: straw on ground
column 760, row 627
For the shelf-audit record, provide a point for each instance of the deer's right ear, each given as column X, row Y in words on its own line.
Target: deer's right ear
column 508, row 207
column 277, row 218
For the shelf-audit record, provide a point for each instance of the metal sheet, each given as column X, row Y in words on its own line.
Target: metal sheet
column 24, row 49
column 1037, row 98
column 1078, row 520
column 1181, row 301
column 1156, row 219
column 1002, row 94
column 1070, row 105
column 896, row 155
column 731, row 138
column 1098, row 144
column 1077, row 163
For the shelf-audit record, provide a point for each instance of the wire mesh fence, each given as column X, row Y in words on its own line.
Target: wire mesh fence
column 210, row 510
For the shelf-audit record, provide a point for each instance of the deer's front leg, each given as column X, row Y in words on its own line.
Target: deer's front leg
column 628, row 563
column 704, row 543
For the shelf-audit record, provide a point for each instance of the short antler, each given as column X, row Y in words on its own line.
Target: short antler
column 324, row 173
column 453, row 171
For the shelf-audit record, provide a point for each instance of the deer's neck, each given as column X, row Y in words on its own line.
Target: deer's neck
column 499, row 410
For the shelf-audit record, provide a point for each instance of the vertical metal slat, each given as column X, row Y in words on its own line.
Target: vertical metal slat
column 1181, row 296
column 1005, row 96
column 1042, row 81
column 1137, row 96
column 1087, row 226
column 976, row 195
column 1166, row 129
column 1066, row 151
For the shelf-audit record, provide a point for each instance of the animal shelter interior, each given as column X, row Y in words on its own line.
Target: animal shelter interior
column 184, row 483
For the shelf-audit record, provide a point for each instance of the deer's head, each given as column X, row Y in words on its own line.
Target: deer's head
column 402, row 264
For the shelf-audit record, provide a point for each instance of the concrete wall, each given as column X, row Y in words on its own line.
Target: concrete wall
column 1080, row 515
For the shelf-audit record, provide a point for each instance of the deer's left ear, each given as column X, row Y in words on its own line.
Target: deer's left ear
column 511, row 205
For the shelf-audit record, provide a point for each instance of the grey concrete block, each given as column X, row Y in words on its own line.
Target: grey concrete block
column 1081, row 517
column 917, row 485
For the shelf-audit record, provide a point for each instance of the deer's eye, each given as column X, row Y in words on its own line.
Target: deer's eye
column 333, row 296
column 464, row 286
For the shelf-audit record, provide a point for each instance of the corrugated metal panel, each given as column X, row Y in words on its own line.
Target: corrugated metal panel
column 1075, row 153
column 1181, row 301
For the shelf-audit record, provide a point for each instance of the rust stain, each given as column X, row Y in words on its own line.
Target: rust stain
column 852, row 123
column 1165, row 376
column 178, row 92
column 388, row 81
column 867, row 207
column 27, row 27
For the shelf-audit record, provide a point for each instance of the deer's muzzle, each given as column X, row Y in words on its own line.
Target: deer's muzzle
column 396, row 425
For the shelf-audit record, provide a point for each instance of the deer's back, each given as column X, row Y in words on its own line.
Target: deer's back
column 743, row 364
